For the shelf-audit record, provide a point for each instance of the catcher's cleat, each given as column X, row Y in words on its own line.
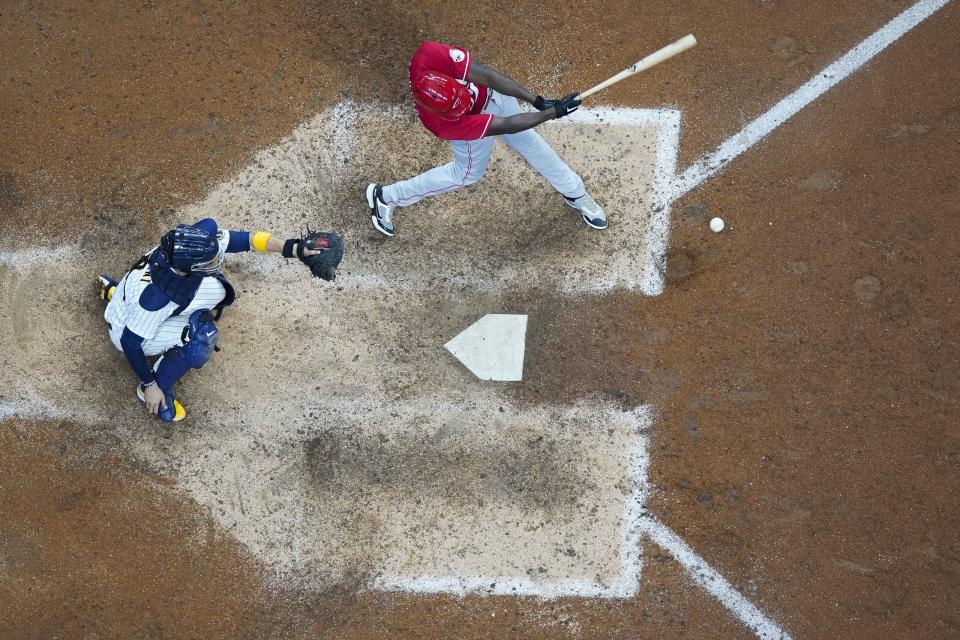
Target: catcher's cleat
column 105, row 287
column 176, row 414
column 381, row 214
column 589, row 210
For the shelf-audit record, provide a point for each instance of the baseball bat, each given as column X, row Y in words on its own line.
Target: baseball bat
column 655, row 58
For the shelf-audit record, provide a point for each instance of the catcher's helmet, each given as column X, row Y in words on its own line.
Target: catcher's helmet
column 440, row 94
column 192, row 250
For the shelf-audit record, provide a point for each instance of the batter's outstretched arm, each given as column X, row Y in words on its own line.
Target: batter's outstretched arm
column 523, row 121
column 519, row 122
column 500, row 83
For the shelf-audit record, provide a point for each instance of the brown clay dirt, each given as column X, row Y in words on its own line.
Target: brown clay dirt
column 804, row 363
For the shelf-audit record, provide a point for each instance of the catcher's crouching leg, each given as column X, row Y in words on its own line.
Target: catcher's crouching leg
column 200, row 343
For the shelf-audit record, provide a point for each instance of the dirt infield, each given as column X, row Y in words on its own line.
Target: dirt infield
column 797, row 375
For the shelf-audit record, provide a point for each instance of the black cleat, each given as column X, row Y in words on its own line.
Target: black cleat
column 381, row 214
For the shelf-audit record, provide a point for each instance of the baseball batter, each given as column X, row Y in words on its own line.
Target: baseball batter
column 168, row 303
column 462, row 101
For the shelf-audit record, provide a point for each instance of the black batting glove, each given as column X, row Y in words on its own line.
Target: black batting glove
column 567, row 104
column 542, row 104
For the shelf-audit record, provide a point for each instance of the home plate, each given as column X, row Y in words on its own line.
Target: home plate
column 492, row 347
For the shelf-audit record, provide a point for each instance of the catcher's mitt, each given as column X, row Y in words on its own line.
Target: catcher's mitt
column 324, row 264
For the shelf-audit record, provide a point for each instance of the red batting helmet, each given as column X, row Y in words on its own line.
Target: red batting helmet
column 440, row 94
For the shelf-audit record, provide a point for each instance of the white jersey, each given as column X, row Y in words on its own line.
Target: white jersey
column 159, row 328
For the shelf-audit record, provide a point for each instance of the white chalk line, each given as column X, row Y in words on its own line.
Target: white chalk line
column 667, row 123
column 637, row 523
column 494, row 586
column 626, row 583
column 714, row 583
column 658, row 234
column 714, row 162
column 18, row 259
column 37, row 409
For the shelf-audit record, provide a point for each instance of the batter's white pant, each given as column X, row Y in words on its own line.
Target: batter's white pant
column 470, row 161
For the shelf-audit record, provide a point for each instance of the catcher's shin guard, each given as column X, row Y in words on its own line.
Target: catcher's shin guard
column 171, row 366
column 201, row 341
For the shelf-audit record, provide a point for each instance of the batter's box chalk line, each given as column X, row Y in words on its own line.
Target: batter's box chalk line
column 653, row 253
column 636, row 523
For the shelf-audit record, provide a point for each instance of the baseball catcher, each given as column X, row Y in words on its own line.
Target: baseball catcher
column 168, row 303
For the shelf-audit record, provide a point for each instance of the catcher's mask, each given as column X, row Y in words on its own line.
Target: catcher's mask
column 441, row 94
column 192, row 250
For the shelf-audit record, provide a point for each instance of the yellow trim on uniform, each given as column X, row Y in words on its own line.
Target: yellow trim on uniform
column 259, row 241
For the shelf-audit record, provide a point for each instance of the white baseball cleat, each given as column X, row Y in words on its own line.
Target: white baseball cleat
column 589, row 210
column 381, row 214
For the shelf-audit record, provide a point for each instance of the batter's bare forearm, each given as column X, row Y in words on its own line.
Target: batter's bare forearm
column 482, row 74
column 519, row 122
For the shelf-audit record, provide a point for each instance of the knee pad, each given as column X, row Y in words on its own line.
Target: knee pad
column 201, row 339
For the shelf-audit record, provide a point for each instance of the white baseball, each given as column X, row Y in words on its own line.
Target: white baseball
column 716, row 225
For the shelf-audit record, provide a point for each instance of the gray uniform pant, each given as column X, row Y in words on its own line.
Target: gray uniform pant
column 470, row 160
